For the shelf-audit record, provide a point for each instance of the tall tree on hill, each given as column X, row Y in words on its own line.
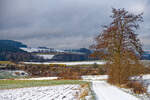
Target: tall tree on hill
column 119, row 45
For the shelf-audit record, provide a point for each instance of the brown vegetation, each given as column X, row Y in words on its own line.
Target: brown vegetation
column 85, row 90
column 63, row 71
column 137, row 87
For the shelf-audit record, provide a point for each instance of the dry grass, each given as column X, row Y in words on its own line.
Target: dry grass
column 6, row 62
column 84, row 93
column 84, row 90
column 84, row 85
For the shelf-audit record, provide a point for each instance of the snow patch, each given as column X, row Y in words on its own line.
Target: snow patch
column 46, row 56
column 95, row 77
column 70, row 63
column 39, row 78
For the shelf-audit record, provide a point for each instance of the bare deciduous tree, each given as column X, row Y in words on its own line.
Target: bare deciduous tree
column 119, row 45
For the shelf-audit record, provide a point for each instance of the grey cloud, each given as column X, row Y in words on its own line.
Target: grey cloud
column 57, row 23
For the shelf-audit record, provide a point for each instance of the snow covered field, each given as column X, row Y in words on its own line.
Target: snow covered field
column 45, row 56
column 39, row 78
column 30, row 49
column 101, row 89
column 61, row 92
column 70, row 63
column 95, row 77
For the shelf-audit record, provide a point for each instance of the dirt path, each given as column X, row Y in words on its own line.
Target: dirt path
column 104, row 91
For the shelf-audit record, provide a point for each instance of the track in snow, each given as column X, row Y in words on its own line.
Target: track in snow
column 104, row 91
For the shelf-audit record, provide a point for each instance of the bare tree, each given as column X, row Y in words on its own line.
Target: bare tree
column 119, row 45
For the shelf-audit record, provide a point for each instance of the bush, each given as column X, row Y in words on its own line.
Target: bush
column 60, row 70
column 70, row 74
column 17, row 73
column 120, row 74
column 102, row 70
column 95, row 65
column 137, row 87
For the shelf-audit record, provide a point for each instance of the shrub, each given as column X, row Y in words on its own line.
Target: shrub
column 102, row 70
column 85, row 90
column 137, row 87
column 60, row 70
column 17, row 73
column 70, row 74
column 95, row 65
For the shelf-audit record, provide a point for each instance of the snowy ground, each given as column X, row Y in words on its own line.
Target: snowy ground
column 61, row 92
column 70, row 63
column 39, row 78
column 145, row 79
column 104, row 91
column 46, row 56
column 94, row 77
column 101, row 89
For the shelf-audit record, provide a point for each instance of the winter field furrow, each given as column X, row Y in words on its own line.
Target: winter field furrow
column 61, row 92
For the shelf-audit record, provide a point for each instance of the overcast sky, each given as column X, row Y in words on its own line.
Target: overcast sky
column 64, row 23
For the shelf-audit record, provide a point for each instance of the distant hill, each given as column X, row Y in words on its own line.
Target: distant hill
column 10, row 51
column 53, row 50
column 146, row 55
column 70, row 57
column 11, row 46
column 11, row 43
column 16, row 51
column 81, row 50
column 52, row 54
